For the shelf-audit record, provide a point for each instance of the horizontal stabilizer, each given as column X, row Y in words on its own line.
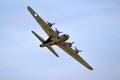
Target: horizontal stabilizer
column 49, row 47
column 40, row 38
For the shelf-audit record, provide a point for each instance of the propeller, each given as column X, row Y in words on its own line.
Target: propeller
column 58, row 31
column 50, row 23
column 72, row 42
column 78, row 50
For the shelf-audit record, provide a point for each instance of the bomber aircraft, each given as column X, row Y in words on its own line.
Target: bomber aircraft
column 56, row 39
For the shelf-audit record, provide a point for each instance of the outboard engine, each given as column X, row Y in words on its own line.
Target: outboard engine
column 50, row 24
column 57, row 31
column 69, row 44
column 77, row 51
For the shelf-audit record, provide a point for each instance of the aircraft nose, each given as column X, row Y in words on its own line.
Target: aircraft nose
column 66, row 35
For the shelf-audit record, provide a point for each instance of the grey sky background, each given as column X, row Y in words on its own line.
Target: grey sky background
column 93, row 25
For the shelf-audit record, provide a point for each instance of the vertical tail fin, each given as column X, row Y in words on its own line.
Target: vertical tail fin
column 49, row 47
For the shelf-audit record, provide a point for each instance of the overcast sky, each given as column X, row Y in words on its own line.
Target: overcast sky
column 94, row 25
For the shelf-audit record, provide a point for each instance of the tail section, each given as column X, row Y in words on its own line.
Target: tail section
column 48, row 46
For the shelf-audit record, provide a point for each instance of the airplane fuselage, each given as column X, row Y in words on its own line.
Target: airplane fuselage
column 56, row 40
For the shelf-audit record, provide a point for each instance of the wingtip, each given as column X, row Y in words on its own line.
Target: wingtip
column 90, row 68
column 32, row 31
column 57, row 55
column 28, row 7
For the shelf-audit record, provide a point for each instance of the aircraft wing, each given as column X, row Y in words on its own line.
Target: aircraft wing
column 71, row 52
column 45, row 26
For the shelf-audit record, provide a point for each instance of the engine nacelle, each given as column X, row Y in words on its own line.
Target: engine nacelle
column 50, row 24
column 69, row 44
column 77, row 51
column 57, row 31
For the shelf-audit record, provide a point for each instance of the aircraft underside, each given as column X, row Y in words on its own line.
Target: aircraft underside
column 55, row 40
